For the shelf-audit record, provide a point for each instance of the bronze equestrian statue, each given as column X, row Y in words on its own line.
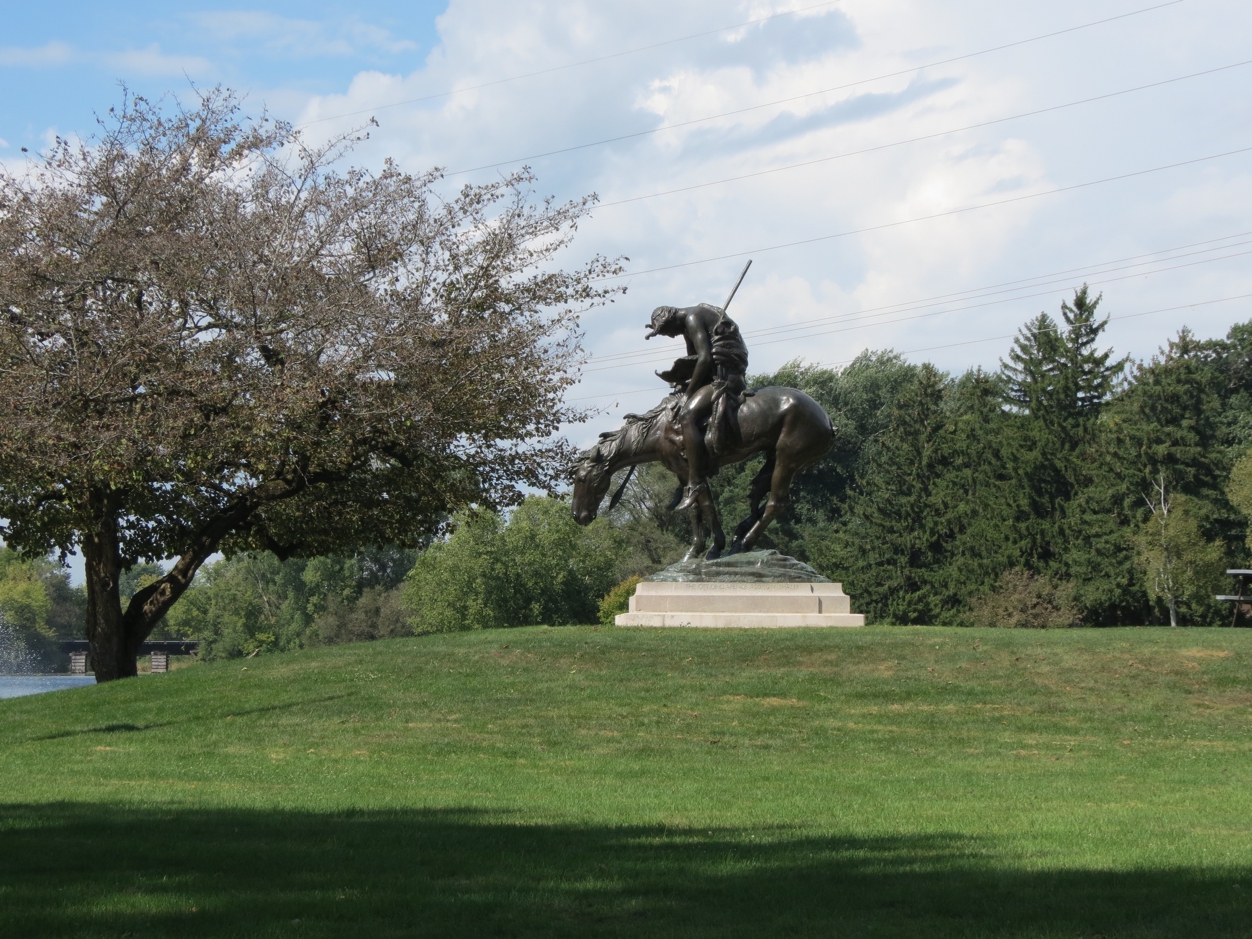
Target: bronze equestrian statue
column 709, row 421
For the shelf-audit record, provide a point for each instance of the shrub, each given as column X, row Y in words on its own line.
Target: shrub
column 1023, row 600
column 617, row 600
column 537, row 568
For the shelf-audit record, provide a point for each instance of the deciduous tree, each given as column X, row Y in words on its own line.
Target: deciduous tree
column 212, row 340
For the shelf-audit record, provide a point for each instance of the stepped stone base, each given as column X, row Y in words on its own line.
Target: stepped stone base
column 753, row 590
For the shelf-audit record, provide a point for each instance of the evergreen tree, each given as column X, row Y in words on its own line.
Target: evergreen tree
column 1057, row 375
column 892, row 539
column 1058, row 381
column 986, row 512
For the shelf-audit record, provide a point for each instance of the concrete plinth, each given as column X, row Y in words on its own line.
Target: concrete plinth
column 740, row 605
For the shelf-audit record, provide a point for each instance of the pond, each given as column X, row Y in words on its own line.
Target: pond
column 16, row 686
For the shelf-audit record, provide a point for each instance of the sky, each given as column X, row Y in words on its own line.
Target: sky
column 903, row 174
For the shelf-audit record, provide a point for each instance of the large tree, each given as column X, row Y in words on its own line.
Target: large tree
column 212, row 340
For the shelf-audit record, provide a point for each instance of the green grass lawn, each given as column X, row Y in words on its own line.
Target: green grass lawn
column 576, row 782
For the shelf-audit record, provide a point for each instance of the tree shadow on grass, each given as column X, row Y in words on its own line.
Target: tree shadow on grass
column 100, row 870
column 206, row 718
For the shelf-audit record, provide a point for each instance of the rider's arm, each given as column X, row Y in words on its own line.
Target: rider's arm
column 700, row 345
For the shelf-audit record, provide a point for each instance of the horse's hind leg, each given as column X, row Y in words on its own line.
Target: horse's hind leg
column 709, row 509
column 760, row 486
column 779, row 499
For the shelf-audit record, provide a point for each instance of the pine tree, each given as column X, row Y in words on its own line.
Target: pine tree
column 1058, row 381
column 892, row 539
column 1057, row 375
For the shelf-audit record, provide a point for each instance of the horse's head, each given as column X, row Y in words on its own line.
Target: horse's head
column 591, row 481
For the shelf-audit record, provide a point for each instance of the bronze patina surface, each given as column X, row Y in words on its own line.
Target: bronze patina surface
column 710, row 420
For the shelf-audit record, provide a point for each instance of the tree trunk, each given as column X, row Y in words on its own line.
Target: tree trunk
column 1173, row 612
column 113, row 652
column 116, row 636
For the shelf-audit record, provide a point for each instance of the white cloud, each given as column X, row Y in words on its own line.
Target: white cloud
column 486, row 40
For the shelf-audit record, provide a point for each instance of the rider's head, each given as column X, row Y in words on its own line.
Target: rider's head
column 665, row 322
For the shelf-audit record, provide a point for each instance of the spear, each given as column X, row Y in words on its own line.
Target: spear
column 734, row 290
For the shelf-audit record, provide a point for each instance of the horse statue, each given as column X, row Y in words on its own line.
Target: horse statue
column 786, row 424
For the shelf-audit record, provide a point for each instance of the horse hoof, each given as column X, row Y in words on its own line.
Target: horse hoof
column 713, row 554
column 736, row 547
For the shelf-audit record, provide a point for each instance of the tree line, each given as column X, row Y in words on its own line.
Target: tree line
column 1068, row 487
column 1100, row 491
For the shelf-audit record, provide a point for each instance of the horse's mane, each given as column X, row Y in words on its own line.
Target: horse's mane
column 635, row 428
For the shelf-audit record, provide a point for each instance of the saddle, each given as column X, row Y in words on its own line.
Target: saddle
column 721, row 432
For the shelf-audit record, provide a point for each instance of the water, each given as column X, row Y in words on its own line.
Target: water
column 17, row 686
column 15, row 657
column 18, row 665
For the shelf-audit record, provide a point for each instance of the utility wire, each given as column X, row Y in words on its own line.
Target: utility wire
column 1051, row 289
column 926, row 218
column 1124, row 316
column 975, row 306
column 900, row 143
column 569, row 65
column 950, row 345
column 975, row 293
column 657, row 358
column 809, row 94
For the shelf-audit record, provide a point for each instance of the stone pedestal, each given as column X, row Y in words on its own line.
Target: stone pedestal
column 753, row 590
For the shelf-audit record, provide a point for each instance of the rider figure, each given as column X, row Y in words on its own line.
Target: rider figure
column 714, row 367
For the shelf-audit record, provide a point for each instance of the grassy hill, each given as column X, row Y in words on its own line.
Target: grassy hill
column 573, row 782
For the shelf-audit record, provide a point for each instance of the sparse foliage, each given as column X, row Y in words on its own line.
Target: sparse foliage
column 1183, row 569
column 1023, row 600
column 1239, row 491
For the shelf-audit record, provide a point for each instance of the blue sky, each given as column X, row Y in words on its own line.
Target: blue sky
column 60, row 63
column 883, row 122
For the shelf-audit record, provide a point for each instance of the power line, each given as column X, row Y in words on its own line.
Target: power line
column 926, row 218
column 569, row 65
column 1014, row 286
column 918, row 316
column 1124, row 316
column 900, row 143
column 1030, row 296
column 809, row 94
column 1045, row 293
column 950, row 345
